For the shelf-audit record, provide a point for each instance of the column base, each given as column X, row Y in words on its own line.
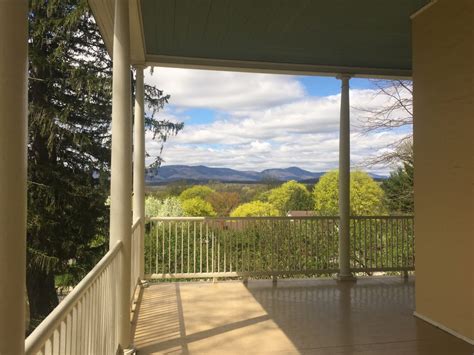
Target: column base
column 144, row 283
column 349, row 277
column 129, row 351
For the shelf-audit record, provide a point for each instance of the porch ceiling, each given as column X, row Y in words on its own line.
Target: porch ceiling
column 364, row 37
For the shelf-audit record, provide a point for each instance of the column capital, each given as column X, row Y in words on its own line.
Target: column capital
column 139, row 66
column 344, row 77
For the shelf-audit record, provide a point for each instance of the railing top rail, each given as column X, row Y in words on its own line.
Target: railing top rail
column 384, row 217
column 35, row 341
column 237, row 218
column 270, row 218
column 136, row 223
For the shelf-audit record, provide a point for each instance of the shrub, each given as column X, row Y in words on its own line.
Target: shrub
column 169, row 207
column 255, row 209
column 197, row 207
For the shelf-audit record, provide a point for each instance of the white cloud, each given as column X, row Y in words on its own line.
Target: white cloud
column 225, row 90
column 265, row 121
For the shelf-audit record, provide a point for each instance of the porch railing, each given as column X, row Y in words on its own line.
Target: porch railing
column 85, row 321
column 382, row 243
column 192, row 247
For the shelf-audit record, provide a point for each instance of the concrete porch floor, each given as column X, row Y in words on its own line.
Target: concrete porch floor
column 320, row 316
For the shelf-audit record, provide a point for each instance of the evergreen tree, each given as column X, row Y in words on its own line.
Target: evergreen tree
column 69, row 146
column 399, row 192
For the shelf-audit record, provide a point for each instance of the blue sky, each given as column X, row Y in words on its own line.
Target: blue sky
column 258, row 121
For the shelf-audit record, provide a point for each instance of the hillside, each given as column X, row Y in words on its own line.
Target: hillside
column 200, row 173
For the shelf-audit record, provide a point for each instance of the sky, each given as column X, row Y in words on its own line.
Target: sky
column 249, row 121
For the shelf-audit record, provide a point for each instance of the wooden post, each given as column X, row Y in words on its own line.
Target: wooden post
column 139, row 164
column 121, row 170
column 13, row 162
column 344, row 183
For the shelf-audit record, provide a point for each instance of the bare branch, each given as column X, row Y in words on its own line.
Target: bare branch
column 395, row 111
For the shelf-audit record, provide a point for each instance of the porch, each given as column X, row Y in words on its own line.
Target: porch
column 306, row 316
column 354, row 39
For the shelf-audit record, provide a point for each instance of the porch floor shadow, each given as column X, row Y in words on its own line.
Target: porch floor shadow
column 310, row 316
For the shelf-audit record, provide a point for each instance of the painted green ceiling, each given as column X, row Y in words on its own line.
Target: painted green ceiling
column 371, row 34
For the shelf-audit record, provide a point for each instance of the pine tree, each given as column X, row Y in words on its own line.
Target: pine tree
column 399, row 191
column 69, row 146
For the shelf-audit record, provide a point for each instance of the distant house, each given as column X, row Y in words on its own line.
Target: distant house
column 300, row 214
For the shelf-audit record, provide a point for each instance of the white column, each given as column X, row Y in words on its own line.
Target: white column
column 139, row 163
column 121, row 169
column 344, row 182
column 13, row 160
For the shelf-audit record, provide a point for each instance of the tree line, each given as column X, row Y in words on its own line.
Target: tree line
column 367, row 197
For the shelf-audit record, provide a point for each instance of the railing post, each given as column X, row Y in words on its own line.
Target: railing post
column 121, row 169
column 139, row 166
column 13, row 160
column 344, row 183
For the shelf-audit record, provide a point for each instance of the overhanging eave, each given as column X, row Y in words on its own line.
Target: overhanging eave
column 367, row 38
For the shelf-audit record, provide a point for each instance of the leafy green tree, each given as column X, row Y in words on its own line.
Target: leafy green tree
column 69, row 98
column 168, row 207
column 200, row 191
column 291, row 195
column 366, row 196
column 255, row 209
column 249, row 193
column 197, row 207
column 398, row 187
column 224, row 202
column 175, row 188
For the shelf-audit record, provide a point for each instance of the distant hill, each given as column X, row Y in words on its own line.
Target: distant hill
column 170, row 173
column 203, row 174
column 292, row 173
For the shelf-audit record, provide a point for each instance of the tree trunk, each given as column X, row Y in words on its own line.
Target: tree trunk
column 41, row 294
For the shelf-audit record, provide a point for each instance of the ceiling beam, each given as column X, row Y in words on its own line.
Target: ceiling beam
column 273, row 68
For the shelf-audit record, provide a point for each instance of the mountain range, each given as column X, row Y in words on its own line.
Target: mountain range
column 202, row 174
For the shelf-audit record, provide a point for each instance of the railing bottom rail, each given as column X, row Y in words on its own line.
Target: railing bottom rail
column 204, row 275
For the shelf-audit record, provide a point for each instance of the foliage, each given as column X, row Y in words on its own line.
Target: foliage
column 200, row 191
column 172, row 189
column 290, row 196
column 223, row 202
column 398, row 187
column 197, row 207
column 253, row 192
column 168, row 207
column 255, row 209
column 69, row 98
column 366, row 196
